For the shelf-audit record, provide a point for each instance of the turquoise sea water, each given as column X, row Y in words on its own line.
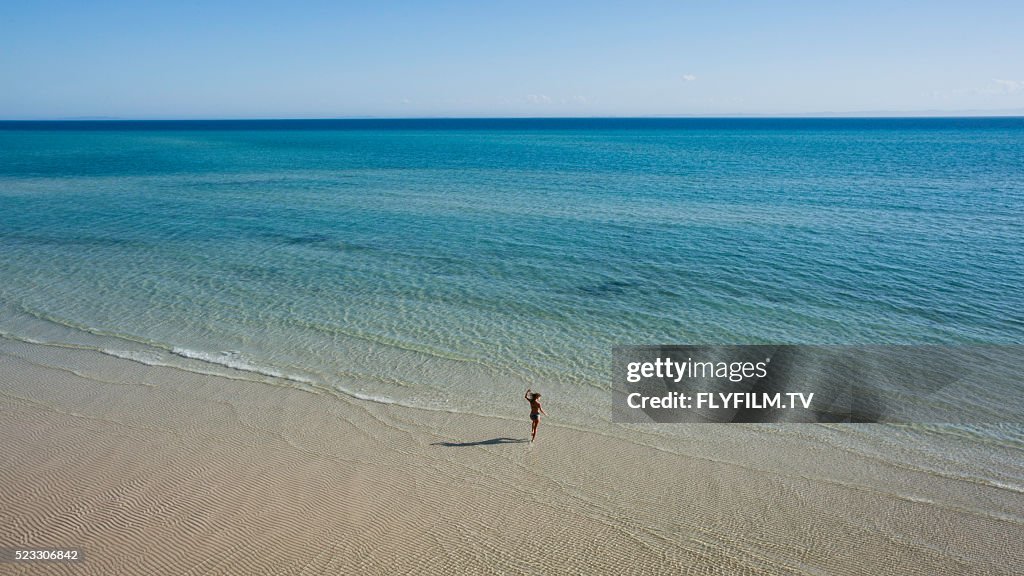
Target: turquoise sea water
column 449, row 263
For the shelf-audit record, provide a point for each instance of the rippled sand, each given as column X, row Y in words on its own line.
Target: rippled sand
column 155, row 471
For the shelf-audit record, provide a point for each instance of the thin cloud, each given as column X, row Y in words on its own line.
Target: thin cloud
column 538, row 99
column 1009, row 86
column 689, row 77
column 996, row 88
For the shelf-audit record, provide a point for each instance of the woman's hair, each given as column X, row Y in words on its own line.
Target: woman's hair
column 536, row 395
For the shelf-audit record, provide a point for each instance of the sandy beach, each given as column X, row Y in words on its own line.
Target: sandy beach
column 151, row 470
column 284, row 287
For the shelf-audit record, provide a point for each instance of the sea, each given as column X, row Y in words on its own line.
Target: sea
column 449, row 264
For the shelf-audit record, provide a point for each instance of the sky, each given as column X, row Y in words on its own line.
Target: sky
column 336, row 59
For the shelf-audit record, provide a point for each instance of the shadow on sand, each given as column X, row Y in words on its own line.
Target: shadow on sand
column 481, row 442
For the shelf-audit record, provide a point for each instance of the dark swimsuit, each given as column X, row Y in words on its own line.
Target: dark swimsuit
column 534, row 415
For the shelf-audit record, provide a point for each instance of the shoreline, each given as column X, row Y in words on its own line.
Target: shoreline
column 150, row 469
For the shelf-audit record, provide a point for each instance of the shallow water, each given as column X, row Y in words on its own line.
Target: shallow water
column 450, row 264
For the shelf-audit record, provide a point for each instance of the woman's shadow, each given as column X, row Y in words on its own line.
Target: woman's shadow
column 481, row 442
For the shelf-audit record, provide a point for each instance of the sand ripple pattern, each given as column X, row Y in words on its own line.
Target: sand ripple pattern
column 154, row 471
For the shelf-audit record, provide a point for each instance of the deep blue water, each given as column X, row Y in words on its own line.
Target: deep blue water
column 433, row 262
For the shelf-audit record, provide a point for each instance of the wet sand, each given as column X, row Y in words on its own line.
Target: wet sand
column 151, row 470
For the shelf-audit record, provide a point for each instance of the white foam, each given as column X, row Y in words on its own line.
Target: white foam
column 1005, row 486
column 25, row 339
column 147, row 358
column 372, row 397
column 234, row 361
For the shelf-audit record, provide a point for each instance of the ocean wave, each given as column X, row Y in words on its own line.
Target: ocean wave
column 26, row 339
column 234, row 361
column 154, row 359
column 147, row 358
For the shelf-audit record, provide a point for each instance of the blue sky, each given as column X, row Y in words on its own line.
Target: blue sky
column 219, row 59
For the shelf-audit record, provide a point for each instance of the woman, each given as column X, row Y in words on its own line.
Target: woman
column 535, row 411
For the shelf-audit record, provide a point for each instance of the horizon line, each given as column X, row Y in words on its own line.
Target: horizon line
column 768, row 116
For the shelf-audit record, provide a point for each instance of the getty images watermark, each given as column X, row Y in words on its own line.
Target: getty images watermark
column 894, row 384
